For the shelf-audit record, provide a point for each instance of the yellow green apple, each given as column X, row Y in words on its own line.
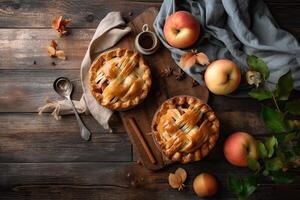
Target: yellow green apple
column 222, row 77
column 205, row 185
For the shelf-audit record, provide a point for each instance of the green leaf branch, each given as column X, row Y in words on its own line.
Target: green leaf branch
column 281, row 151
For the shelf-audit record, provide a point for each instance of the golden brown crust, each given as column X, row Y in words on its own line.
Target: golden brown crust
column 119, row 79
column 185, row 129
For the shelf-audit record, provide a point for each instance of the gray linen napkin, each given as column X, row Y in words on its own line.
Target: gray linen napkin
column 109, row 31
column 234, row 29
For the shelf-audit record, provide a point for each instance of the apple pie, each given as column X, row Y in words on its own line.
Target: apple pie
column 185, row 129
column 119, row 79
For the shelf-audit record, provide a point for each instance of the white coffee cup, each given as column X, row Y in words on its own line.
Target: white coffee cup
column 146, row 42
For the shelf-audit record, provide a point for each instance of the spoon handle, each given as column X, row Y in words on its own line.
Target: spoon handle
column 84, row 132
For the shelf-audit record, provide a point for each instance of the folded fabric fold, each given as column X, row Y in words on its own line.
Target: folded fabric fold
column 63, row 107
column 109, row 31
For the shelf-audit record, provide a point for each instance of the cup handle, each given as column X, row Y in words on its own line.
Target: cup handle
column 145, row 27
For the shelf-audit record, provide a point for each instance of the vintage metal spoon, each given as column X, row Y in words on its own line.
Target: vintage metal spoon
column 64, row 88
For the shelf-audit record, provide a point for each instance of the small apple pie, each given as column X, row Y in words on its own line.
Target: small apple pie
column 185, row 129
column 119, row 79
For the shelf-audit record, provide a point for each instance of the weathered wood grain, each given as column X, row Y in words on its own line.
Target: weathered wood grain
column 25, row 136
column 29, row 89
column 28, row 13
column 26, row 48
column 68, row 192
column 26, row 123
column 92, row 174
column 106, row 180
column 49, row 148
column 28, row 45
column 26, row 90
column 36, row 13
column 32, row 138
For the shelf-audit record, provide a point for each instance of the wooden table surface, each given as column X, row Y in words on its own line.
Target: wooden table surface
column 41, row 158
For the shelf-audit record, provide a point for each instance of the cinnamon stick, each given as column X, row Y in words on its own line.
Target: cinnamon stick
column 137, row 132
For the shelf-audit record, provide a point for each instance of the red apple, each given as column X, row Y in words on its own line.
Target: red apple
column 239, row 147
column 222, row 77
column 181, row 29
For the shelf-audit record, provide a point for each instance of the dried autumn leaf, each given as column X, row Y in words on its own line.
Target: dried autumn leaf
column 59, row 24
column 61, row 55
column 61, row 31
column 65, row 22
column 56, row 22
column 174, row 181
column 187, row 60
column 202, row 58
column 53, row 44
column 51, row 51
column 180, row 172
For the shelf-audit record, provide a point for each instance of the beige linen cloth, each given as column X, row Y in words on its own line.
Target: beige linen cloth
column 109, row 31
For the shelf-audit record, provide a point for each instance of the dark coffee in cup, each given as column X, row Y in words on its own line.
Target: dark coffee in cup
column 146, row 40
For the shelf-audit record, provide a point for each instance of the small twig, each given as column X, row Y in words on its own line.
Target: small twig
column 273, row 97
column 275, row 102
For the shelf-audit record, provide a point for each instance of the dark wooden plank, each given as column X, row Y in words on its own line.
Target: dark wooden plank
column 113, row 181
column 32, row 138
column 28, row 45
column 40, row 13
column 25, row 135
column 28, row 89
column 24, row 123
column 26, row 48
column 67, row 192
column 32, row 133
column 250, row 122
column 224, row 103
column 34, row 13
column 286, row 13
column 25, row 90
